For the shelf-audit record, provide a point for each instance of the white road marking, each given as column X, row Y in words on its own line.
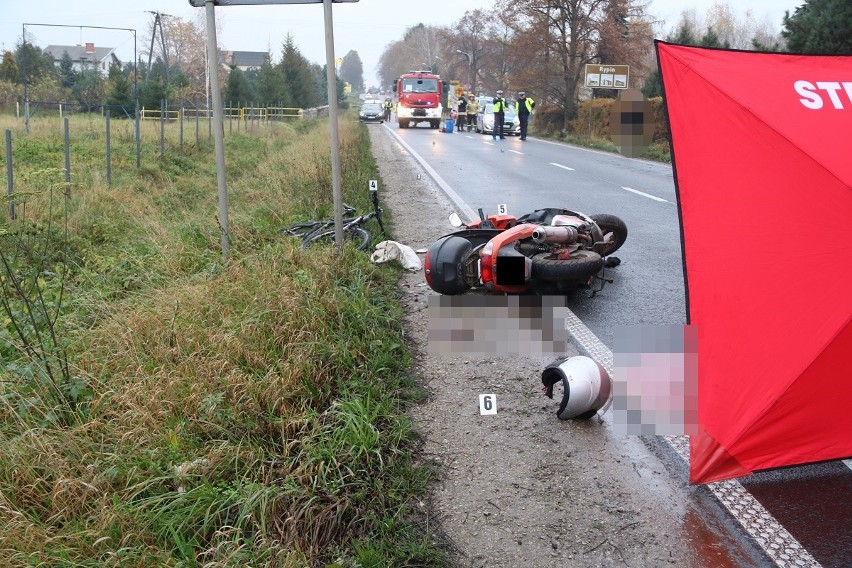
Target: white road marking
column 490, row 143
column 643, row 194
column 561, row 166
column 516, row 152
column 848, row 463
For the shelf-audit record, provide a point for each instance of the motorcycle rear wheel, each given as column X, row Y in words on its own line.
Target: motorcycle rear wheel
column 611, row 224
column 359, row 237
column 581, row 266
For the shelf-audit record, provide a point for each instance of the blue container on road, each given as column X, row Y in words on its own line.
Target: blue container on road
column 448, row 126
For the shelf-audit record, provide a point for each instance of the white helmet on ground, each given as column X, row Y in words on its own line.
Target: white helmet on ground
column 586, row 386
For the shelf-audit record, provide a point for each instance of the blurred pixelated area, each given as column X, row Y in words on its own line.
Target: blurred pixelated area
column 655, row 380
column 497, row 325
column 632, row 123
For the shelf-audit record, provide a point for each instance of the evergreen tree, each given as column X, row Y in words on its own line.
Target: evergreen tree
column 37, row 64
column 298, row 77
column 67, row 73
column 819, row 26
column 119, row 90
column 152, row 91
column 322, row 87
column 238, row 89
column 683, row 35
column 271, row 86
column 652, row 87
column 711, row 39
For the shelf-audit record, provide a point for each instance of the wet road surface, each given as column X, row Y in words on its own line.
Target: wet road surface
column 813, row 502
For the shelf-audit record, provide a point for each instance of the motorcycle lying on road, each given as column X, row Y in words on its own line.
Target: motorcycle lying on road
column 548, row 251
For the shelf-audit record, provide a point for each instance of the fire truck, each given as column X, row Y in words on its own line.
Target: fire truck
column 419, row 98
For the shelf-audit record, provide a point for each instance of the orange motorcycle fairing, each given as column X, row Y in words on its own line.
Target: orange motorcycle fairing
column 490, row 264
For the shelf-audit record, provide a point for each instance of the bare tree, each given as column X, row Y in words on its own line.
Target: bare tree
column 418, row 49
column 467, row 43
column 183, row 46
column 559, row 37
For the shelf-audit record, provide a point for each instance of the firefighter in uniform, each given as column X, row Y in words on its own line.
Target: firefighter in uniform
column 472, row 110
column 462, row 106
column 499, row 116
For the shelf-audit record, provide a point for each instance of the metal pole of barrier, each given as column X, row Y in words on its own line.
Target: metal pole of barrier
column 162, row 128
column 9, row 176
column 67, row 159
column 197, row 135
column 108, row 154
column 181, row 126
column 24, row 67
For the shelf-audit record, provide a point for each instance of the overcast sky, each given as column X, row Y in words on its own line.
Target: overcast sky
column 366, row 26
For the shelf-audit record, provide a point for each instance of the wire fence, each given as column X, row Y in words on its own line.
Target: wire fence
column 170, row 126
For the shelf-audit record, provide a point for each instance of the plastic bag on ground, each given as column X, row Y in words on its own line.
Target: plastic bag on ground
column 392, row 250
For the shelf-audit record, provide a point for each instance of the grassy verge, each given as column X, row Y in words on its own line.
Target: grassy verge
column 252, row 413
column 655, row 152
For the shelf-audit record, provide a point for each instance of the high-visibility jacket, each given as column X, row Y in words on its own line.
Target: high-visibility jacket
column 528, row 103
column 472, row 107
column 499, row 105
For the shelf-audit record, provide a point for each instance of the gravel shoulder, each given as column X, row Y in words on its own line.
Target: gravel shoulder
column 522, row 488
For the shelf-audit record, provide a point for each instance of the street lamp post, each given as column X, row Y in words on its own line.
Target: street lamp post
column 469, row 68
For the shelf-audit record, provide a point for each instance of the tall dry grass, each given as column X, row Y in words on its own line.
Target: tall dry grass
column 239, row 414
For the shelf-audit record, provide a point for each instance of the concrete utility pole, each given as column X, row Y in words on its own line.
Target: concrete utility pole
column 158, row 23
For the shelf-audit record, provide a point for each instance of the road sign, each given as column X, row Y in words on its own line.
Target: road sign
column 201, row 3
column 607, row 76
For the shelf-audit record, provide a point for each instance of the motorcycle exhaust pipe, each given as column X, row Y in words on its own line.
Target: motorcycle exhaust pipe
column 546, row 234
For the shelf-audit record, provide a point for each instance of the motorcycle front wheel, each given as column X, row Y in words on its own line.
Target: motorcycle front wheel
column 580, row 266
column 614, row 232
column 359, row 237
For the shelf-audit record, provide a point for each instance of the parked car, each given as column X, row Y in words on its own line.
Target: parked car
column 371, row 111
column 485, row 120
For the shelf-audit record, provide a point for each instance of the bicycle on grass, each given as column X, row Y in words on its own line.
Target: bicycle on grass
column 308, row 228
column 354, row 230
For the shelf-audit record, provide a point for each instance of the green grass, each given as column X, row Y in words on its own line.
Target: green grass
column 248, row 413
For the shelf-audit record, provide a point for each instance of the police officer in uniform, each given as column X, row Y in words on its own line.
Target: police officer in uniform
column 499, row 104
column 524, row 107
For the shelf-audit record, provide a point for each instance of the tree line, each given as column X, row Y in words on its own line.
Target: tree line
column 543, row 46
column 174, row 73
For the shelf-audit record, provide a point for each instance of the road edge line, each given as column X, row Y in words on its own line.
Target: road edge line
column 760, row 525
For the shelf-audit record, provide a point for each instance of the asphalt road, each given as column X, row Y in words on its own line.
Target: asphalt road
column 814, row 503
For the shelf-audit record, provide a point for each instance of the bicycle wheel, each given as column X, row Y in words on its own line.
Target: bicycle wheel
column 358, row 236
